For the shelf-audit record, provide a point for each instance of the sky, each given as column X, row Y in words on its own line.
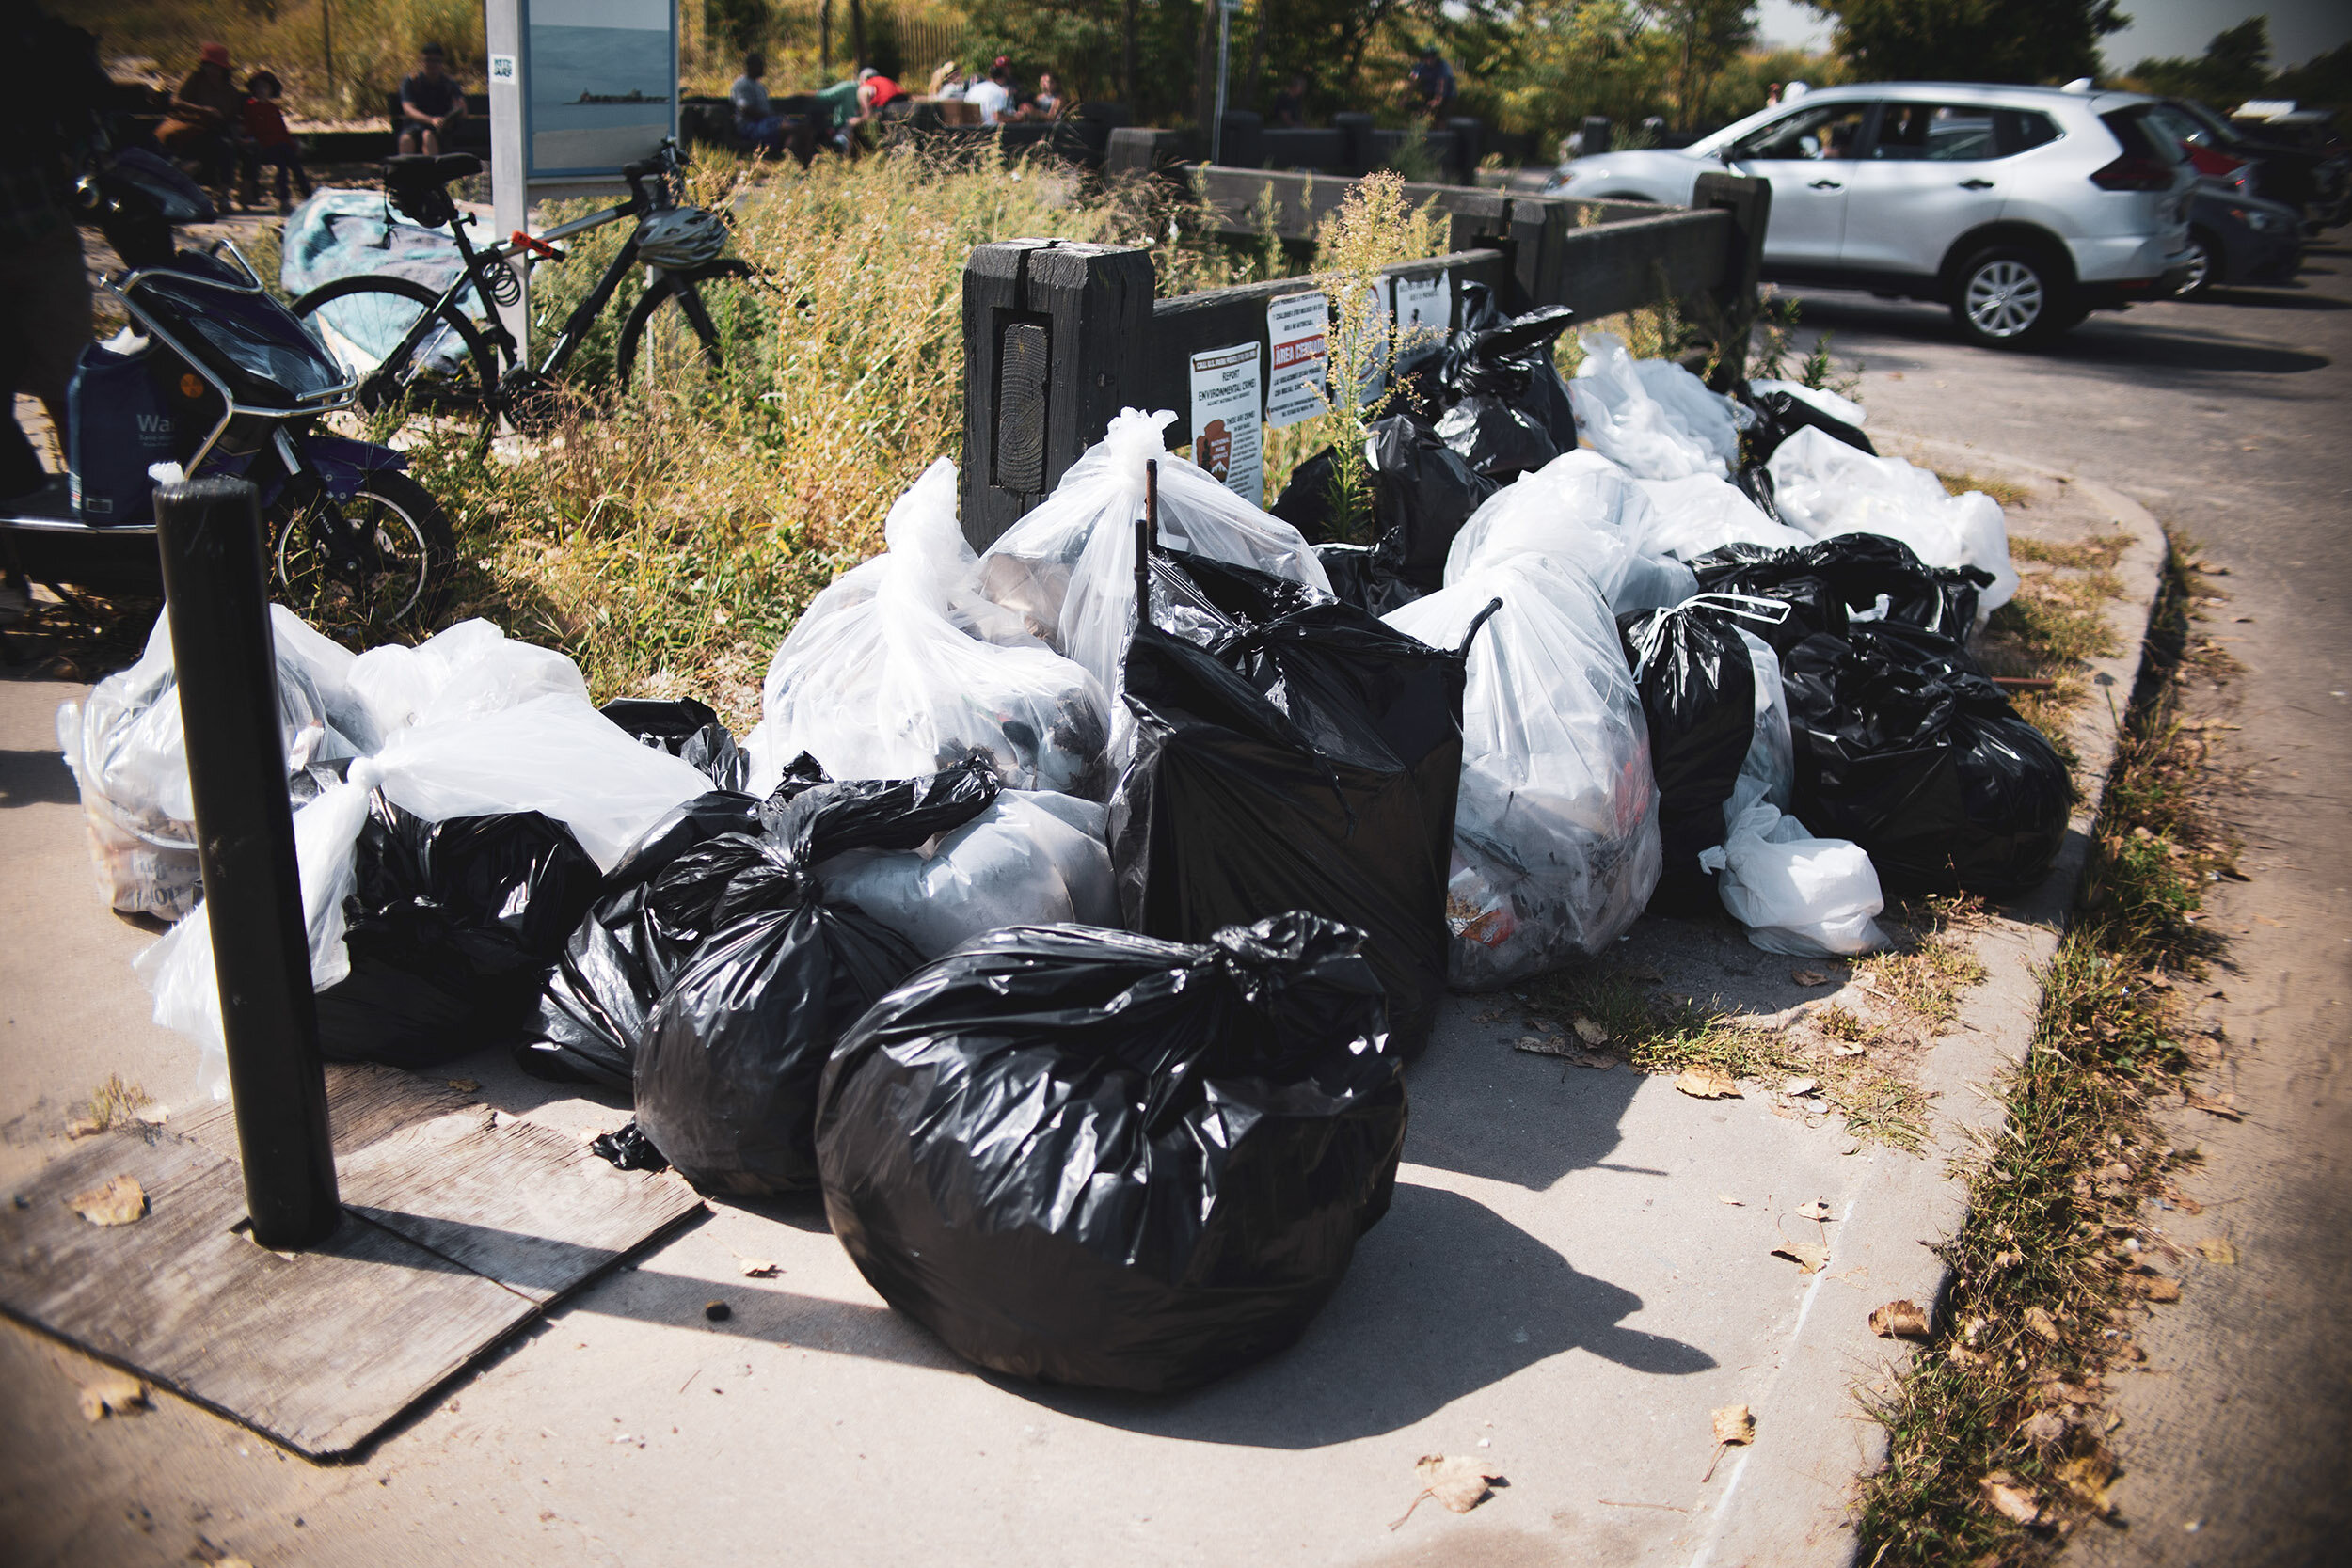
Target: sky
column 2298, row 28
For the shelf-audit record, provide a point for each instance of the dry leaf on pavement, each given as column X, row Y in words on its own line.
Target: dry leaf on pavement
column 759, row 1268
column 1808, row 977
column 2040, row 1324
column 464, row 1085
column 1541, row 1045
column 1705, row 1083
column 2089, row 1476
column 1727, row 1198
column 118, row 1393
column 1589, row 1032
column 119, row 1202
column 1815, row 1210
column 2218, row 1250
column 2046, row 1428
column 2214, row 1107
column 1811, row 1259
column 1735, row 1423
column 2011, row 1498
column 2156, row 1287
column 1900, row 1320
column 1800, row 1086
column 1459, row 1483
column 1839, row 1048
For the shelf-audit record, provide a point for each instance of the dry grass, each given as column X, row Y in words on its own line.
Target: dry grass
column 2013, row 498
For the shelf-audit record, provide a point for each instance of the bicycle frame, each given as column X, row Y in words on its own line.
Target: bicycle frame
column 575, row 326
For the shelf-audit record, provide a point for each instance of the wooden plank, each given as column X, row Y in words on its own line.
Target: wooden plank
column 991, row 302
column 317, row 1350
column 1618, row 266
column 365, row 1102
column 1236, row 201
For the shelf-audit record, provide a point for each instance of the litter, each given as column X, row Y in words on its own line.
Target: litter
column 1069, row 567
column 1848, row 577
column 1291, row 752
column 1651, row 417
column 879, row 680
column 1824, row 487
column 1101, row 1158
column 1555, row 845
column 727, row 1071
column 1028, row 860
column 1806, row 896
column 684, row 728
column 1699, row 513
column 1507, row 412
column 1581, row 508
column 1421, row 495
column 1785, row 407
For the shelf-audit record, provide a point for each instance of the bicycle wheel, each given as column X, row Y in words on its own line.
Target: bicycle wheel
column 364, row 320
column 675, row 336
column 408, row 584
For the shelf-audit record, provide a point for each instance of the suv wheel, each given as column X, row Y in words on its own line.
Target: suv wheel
column 2009, row 296
column 2204, row 255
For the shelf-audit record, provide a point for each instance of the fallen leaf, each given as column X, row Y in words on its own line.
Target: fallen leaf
column 1459, row 1483
column 1900, row 1320
column 119, row 1202
column 1815, row 1210
column 2046, row 1428
column 1598, row 1061
column 2010, row 1499
column 1735, row 1423
column 2219, row 1250
column 1811, row 1259
column 1589, row 1032
column 116, row 1393
column 2041, row 1325
column 1800, row 1086
column 2156, row 1287
column 1705, row 1083
column 1727, row 1198
column 83, row 1127
column 1541, row 1045
column 1840, row 1048
column 759, row 1268
column 1648, row 974
column 2220, row 1107
column 464, row 1085
column 1808, row 977
column 2088, row 1476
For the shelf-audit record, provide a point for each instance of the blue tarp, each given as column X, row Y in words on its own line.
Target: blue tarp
column 342, row 234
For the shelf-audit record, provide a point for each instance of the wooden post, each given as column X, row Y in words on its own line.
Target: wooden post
column 1749, row 203
column 1055, row 342
column 1535, row 235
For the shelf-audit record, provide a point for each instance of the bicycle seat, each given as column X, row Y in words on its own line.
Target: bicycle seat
column 417, row 170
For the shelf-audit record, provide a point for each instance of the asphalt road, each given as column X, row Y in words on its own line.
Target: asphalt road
column 2231, row 420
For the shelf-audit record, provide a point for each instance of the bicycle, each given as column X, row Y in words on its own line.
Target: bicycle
column 412, row 348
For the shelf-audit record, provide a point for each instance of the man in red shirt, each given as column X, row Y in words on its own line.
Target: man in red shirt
column 268, row 140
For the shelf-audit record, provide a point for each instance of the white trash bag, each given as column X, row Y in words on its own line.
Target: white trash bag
column 900, row 669
column 1825, row 488
column 129, row 760
column 447, row 749
column 1069, row 567
column 1579, row 507
column 1806, row 896
column 1031, row 858
column 1651, row 416
column 1555, row 835
column 1699, row 513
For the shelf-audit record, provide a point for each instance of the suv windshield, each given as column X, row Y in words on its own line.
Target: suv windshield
column 1829, row 131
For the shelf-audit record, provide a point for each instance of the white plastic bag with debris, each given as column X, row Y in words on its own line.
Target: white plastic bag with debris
column 1651, row 416
column 1031, row 858
column 1555, row 835
column 1824, row 487
column 469, row 723
column 1699, row 513
column 901, row 669
column 129, row 760
column 1806, row 896
column 1579, row 507
column 1069, row 567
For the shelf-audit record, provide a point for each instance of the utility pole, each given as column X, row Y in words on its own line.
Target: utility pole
column 326, row 41
column 1225, row 10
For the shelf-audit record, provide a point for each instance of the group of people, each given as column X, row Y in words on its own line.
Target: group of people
column 831, row 116
column 994, row 95
column 223, row 128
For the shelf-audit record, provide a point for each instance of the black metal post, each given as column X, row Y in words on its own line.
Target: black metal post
column 210, row 534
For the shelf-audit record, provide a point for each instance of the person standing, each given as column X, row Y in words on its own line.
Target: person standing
column 269, row 140
column 1290, row 106
column 430, row 101
column 1431, row 83
column 204, row 121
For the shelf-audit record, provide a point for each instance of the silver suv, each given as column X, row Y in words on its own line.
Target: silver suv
column 2025, row 209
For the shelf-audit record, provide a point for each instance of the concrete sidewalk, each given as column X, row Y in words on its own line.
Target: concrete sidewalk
column 1560, row 1289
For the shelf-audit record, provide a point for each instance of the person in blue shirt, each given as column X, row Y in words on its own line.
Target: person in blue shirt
column 1431, row 83
column 430, row 101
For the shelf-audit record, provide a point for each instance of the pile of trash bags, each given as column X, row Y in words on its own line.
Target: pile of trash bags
column 1069, row 914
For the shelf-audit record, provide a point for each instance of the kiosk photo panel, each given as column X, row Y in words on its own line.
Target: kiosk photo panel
column 600, row 83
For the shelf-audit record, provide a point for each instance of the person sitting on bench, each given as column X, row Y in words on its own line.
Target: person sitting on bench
column 203, row 122
column 430, row 101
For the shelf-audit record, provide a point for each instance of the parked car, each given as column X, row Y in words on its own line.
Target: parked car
column 2314, row 178
column 2239, row 239
column 2025, row 209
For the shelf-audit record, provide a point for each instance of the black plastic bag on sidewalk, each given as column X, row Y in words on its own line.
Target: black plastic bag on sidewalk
column 1782, row 414
column 1295, row 753
column 684, row 728
column 728, row 1070
column 451, row 932
column 1905, row 747
column 1101, row 1158
column 1831, row 582
column 1507, row 412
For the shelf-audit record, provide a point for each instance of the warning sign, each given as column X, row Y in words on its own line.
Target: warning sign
column 1224, row 433
column 1298, row 330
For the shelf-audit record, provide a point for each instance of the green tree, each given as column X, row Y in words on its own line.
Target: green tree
column 2324, row 80
column 2235, row 67
column 1706, row 36
column 1972, row 41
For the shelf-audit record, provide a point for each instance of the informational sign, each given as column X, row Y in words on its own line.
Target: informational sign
column 504, row 71
column 1424, row 310
column 1297, row 331
column 1225, row 433
column 599, row 81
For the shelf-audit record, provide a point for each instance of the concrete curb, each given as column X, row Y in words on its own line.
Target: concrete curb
column 1789, row 1498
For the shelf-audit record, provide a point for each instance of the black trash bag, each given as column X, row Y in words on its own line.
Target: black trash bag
column 628, row 1150
column 688, row 729
column 1099, row 1159
column 1305, row 502
column 451, row 930
column 1831, row 581
column 1507, row 411
column 1781, row 415
column 1905, row 747
column 728, row 1070
column 1295, row 753
column 1755, row 482
column 1697, row 679
column 1423, row 492
column 1360, row 575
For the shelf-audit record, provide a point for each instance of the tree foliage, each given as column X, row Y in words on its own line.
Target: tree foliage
column 2234, row 66
column 1972, row 41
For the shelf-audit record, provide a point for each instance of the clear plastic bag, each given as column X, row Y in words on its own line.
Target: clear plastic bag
column 129, row 760
column 1699, row 513
column 450, row 750
column 1824, row 487
column 1069, row 567
column 1807, row 896
column 1555, row 835
column 1581, row 508
column 900, row 669
column 1031, row 858
column 1650, row 416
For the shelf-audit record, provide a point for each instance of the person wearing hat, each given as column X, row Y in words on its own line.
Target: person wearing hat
column 993, row 96
column 1431, row 83
column 203, row 120
column 430, row 101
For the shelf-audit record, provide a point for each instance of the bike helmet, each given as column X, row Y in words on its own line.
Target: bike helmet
column 682, row 237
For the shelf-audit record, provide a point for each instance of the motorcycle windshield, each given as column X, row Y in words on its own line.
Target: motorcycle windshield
column 264, row 351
